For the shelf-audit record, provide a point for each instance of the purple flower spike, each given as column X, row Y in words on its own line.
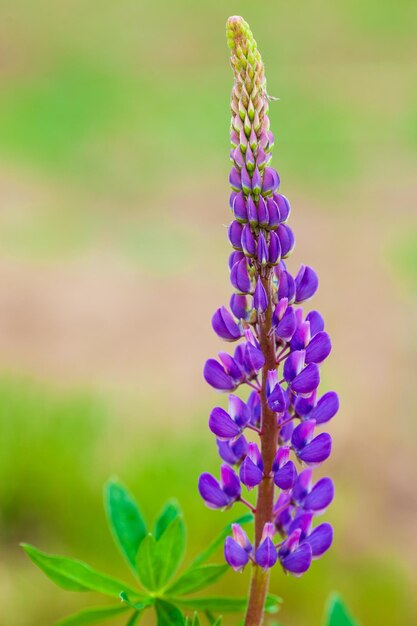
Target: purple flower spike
column 216, row 376
column 225, row 326
column 319, row 348
column 235, row 555
column 239, row 208
column 270, row 182
column 320, row 540
column 260, row 298
column 248, row 241
column 326, row 408
column 306, row 283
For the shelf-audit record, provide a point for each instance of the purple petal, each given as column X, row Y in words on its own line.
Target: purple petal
column 326, row 408
column 224, row 325
column 294, row 365
column 239, row 276
column 306, row 283
column 222, row 425
column 299, row 561
column 285, row 477
column 302, row 485
column 211, row 492
column 236, row 556
column 256, row 181
column 286, row 287
column 319, row 348
column 274, row 216
column 216, row 376
column 263, row 216
column 250, row 474
column 286, row 327
column 239, row 207
column 287, row 240
column 232, row 452
column 304, row 405
column 230, row 482
column 320, row 539
column 252, row 212
column 238, row 411
column 320, row 496
column 254, row 359
column 274, row 252
column 317, row 450
column 235, row 234
column 260, row 297
column 270, row 181
column 266, row 555
column 239, row 306
column 245, row 180
column 303, row 434
column 234, row 179
column 316, row 322
column 231, row 366
column 254, row 406
column 283, row 206
column 307, row 380
column 262, row 250
column 277, row 401
column 248, row 241
column 234, row 258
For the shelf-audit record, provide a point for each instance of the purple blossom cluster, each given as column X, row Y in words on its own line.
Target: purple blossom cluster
column 279, row 353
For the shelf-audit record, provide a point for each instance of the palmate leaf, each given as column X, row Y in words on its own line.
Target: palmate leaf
column 196, row 578
column 94, row 615
column 170, row 511
column 203, row 556
column 125, row 520
column 159, row 560
column 168, row 614
column 337, row 614
column 74, row 575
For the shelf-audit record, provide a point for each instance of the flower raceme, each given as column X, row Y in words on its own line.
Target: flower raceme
column 279, row 353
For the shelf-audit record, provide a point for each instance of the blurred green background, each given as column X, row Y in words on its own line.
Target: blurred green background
column 113, row 166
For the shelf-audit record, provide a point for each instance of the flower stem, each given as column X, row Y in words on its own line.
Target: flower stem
column 269, row 436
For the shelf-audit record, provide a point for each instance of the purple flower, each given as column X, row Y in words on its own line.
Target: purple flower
column 312, row 498
column 295, row 558
column 283, row 469
column 260, row 297
column 237, row 549
column 232, row 451
column 308, row 449
column 306, row 283
column 218, row 495
column 229, row 425
column 225, row 326
column 252, row 468
column 266, row 554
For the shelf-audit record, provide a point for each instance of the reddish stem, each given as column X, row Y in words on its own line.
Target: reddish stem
column 269, row 437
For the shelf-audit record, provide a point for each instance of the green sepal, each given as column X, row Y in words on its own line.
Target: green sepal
column 74, row 575
column 337, row 614
column 125, row 521
column 168, row 614
column 92, row 615
column 196, row 578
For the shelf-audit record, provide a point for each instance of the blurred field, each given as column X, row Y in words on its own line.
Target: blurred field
column 113, row 191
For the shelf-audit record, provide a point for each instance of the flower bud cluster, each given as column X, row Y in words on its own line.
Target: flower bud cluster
column 261, row 240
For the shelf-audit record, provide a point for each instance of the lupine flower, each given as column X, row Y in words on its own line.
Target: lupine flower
column 279, row 353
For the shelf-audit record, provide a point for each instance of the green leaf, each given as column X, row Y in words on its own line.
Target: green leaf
column 125, row 520
column 337, row 614
column 168, row 614
column 74, row 575
column 203, row 556
column 224, row 605
column 196, row 620
column 170, row 511
column 218, row 622
column 133, row 620
column 139, row 605
column 197, row 578
column 92, row 616
column 158, row 561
